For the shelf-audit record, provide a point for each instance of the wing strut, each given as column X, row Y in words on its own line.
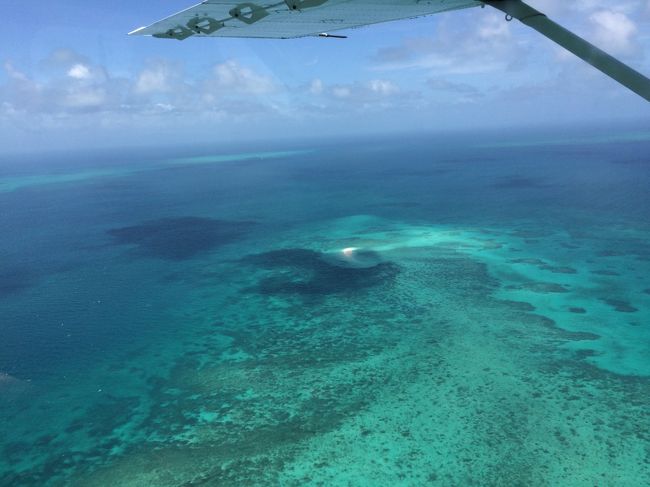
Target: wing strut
column 599, row 59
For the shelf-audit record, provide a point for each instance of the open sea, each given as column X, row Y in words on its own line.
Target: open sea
column 459, row 310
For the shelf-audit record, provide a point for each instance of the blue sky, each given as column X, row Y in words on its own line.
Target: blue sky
column 71, row 78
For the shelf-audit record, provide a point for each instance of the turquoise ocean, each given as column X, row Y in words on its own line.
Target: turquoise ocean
column 468, row 309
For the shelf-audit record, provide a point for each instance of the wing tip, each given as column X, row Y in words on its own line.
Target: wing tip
column 137, row 32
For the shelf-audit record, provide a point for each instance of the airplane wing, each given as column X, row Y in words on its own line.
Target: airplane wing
column 289, row 18
column 299, row 18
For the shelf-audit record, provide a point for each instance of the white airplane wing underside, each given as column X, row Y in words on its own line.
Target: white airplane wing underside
column 300, row 18
column 291, row 18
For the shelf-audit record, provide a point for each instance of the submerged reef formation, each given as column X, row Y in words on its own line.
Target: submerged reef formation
column 180, row 238
column 620, row 305
column 310, row 273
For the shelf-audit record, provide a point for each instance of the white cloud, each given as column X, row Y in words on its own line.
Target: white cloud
column 84, row 98
column 493, row 28
column 63, row 57
column 79, row 71
column 164, row 107
column 614, row 31
column 455, row 92
column 341, row 91
column 13, row 73
column 316, row 87
column 373, row 91
column 232, row 77
column 347, row 99
column 157, row 77
column 8, row 108
column 383, row 87
column 481, row 44
column 74, row 86
column 614, row 26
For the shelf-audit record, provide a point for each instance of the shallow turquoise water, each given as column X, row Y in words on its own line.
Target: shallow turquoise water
column 451, row 311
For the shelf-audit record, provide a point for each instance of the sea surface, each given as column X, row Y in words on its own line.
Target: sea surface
column 457, row 310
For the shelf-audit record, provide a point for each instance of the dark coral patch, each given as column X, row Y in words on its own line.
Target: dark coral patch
column 605, row 272
column 611, row 253
column 620, row 305
column 647, row 291
column 559, row 269
column 517, row 182
column 576, row 310
column 180, row 238
column 520, row 306
column 586, row 353
column 283, row 258
column 541, row 287
column 567, row 245
column 528, row 233
column 15, row 279
column 105, row 417
column 579, row 336
column 305, row 272
column 530, row 261
column 544, row 266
